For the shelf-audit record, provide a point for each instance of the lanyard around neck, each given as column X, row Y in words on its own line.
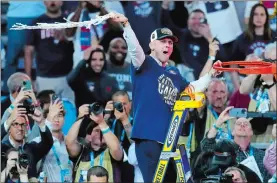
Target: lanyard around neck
column 57, row 157
column 216, row 117
column 123, row 131
column 92, row 159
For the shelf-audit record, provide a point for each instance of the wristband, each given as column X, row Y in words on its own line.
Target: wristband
column 211, row 58
column 106, row 130
column 11, row 107
column 217, row 128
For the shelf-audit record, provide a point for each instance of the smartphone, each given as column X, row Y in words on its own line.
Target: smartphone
column 238, row 112
column 55, row 97
column 27, row 85
column 204, row 21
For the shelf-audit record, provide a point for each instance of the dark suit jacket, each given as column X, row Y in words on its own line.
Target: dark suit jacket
column 36, row 151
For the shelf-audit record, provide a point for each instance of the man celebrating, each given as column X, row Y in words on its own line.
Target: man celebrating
column 155, row 90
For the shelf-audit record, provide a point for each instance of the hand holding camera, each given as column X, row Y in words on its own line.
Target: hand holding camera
column 22, row 95
column 21, row 169
column 224, row 116
column 205, row 31
column 83, row 110
column 11, row 163
column 96, row 112
column 120, row 112
column 37, row 116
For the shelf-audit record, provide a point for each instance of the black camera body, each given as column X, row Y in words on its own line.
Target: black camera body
column 27, row 104
column 23, row 160
column 224, row 178
column 204, row 21
column 118, row 106
column 96, row 108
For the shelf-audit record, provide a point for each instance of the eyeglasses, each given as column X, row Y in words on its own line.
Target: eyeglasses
column 59, row 116
column 244, row 123
column 16, row 125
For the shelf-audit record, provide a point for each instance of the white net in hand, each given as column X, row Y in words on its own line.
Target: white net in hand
column 63, row 25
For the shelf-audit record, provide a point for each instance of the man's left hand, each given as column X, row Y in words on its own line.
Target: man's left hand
column 205, row 31
column 97, row 118
column 37, row 116
column 267, row 78
column 122, row 116
column 215, row 72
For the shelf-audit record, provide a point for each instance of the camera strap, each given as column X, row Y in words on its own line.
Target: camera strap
column 123, row 131
column 64, row 171
column 57, row 157
column 251, row 152
column 92, row 159
column 228, row 123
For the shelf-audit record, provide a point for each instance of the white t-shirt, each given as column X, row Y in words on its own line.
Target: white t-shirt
column 270, row 9
column 132, row 159
column 78, row 54
column 222, row 19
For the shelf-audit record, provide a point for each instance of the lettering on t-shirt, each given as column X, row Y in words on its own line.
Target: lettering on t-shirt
column 91, row 86
column 257, row 48
column 122, row 79
column 167, row 90
column 195, row 49
column 143, row 8
column 46, row 33
column 213, row 7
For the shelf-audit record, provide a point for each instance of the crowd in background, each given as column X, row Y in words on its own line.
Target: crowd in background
column 50, row 128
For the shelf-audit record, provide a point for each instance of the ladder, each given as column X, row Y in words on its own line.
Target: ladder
column 180, row 110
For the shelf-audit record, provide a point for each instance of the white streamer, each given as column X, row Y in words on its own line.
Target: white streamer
column 67, row 24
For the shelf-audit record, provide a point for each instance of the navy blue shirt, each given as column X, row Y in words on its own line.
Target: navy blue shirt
column 155, row 90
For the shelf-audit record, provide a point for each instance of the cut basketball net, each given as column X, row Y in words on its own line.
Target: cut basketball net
column 64, row 25
column 250, row 67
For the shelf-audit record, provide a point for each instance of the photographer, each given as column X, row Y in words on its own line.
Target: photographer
column 98, row 174
column 13, row 171
column 262, row 90
column 16, row 126
column 242, row 133
column 20, row 92
column 102, row 149
column 121, row 123
column 56, row 164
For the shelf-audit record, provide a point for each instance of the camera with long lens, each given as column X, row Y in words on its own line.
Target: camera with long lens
column 27, row 104
column 96, row 108
column 23, row 160
column 118, row 106
column 224, row 178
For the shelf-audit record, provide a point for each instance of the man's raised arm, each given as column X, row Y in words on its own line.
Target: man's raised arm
column 134, row 48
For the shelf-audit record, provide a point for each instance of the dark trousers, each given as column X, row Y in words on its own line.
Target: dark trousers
column 148, row 154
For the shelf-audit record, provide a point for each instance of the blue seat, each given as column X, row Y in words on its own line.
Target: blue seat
column 70, row 115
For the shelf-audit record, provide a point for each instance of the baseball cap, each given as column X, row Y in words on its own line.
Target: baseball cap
column 161, row 33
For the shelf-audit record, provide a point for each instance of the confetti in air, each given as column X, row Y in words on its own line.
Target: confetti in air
column 63, row 25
